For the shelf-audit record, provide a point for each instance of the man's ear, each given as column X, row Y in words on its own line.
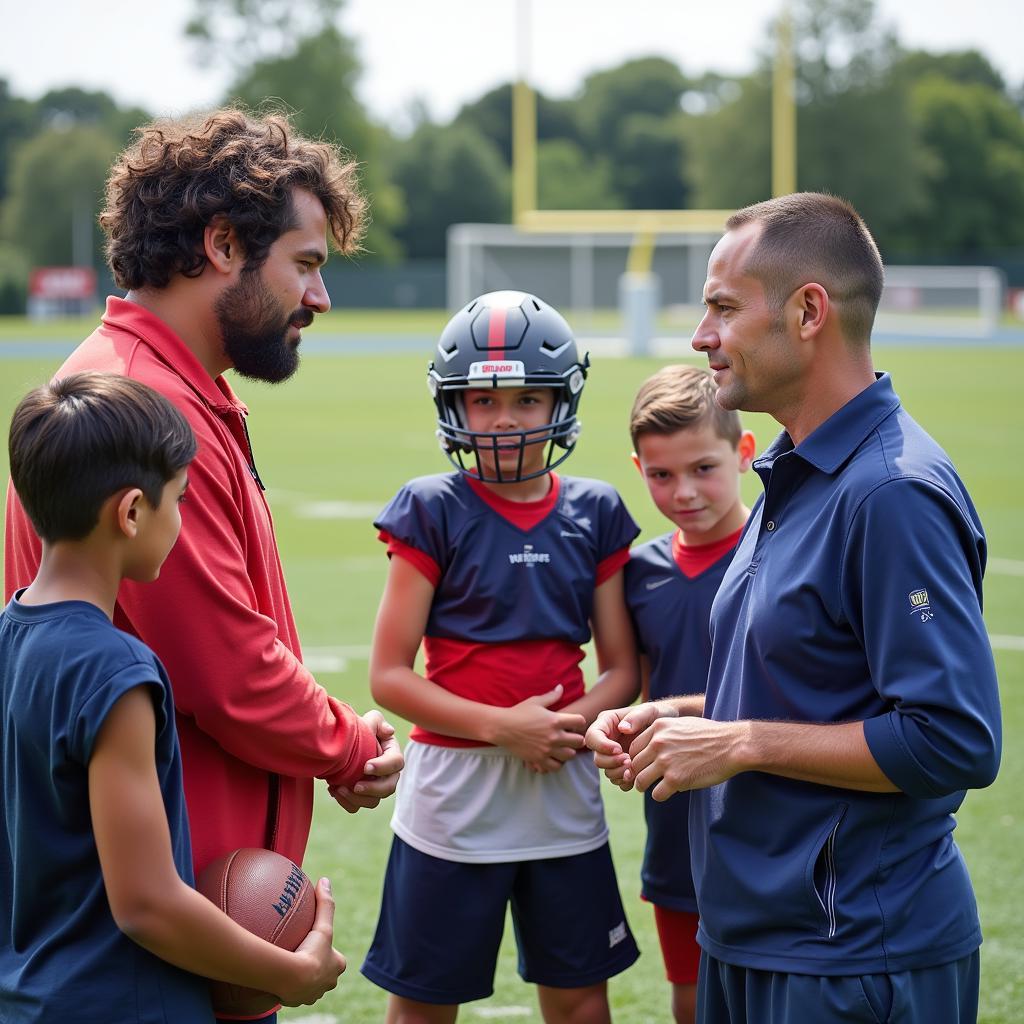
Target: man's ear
column 221, row 247
column 636, row 462
column 813, row 305
column 127, row 510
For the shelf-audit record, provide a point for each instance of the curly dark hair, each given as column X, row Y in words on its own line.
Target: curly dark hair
column 179, row 175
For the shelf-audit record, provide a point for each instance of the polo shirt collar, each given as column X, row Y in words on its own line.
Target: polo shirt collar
column 133, row 318
column 831, row 444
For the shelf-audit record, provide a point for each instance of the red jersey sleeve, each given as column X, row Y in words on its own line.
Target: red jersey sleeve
column 609, row 566
column 419, row 559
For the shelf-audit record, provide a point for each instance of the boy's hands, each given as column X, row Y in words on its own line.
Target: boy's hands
column 322, row 963
column 614, row 731
column 544, row 739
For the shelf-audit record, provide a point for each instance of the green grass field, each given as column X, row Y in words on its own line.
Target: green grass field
column 337, row 441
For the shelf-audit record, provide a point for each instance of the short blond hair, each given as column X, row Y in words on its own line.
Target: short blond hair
column 678, row 397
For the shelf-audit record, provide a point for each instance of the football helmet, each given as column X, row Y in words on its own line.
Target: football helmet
column 506, row 339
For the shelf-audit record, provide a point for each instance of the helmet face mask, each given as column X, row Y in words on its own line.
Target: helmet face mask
column 506, row 340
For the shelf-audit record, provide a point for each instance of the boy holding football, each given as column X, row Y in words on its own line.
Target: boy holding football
column 502, row 570
column 95, row 864
column 691, row 453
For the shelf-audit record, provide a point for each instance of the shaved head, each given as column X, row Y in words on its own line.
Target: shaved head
column 812, row 236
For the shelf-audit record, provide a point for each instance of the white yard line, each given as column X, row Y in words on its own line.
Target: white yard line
column 333, row 659
column 1005, row 567
column 339, row 509
column 312, row 506
column 1006, row 643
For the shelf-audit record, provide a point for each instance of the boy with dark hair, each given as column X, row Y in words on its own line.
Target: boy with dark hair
column 95, row 861
column 690, row 453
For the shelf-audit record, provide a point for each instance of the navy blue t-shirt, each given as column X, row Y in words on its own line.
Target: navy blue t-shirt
column 62, row 668
column 671, row 613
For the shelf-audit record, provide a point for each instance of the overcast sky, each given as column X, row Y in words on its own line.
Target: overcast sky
column 445, row 52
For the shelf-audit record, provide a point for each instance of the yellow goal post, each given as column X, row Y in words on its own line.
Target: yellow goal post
column 585, row 233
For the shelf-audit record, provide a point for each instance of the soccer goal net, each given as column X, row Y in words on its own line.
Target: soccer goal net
column 941, row 302
column 581, row 275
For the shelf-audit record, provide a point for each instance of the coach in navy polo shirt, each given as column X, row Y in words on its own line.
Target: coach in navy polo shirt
column 852, row 697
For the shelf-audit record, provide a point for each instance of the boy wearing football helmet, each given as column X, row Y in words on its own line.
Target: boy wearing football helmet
column 502, row 569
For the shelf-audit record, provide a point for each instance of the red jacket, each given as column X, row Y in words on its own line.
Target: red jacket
column 255, row 726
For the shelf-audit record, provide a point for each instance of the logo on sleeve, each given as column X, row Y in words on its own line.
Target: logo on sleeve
column 529, row 557
column 920, row 605
column 583, row 528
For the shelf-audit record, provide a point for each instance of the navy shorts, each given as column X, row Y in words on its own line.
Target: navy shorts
column 947, row 994
column 441, row 924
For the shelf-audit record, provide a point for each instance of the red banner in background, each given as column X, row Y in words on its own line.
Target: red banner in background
column 62, row 283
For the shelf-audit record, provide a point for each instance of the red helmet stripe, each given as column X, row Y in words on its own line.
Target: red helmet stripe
column 496, row 334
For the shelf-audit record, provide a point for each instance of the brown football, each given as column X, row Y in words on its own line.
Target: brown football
column 268, row 895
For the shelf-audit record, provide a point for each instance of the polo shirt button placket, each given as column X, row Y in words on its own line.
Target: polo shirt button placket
column 770, row 525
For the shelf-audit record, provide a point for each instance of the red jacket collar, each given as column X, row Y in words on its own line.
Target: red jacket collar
column 133, row 318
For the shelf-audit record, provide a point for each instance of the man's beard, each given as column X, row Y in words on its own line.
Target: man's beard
column 254, row 330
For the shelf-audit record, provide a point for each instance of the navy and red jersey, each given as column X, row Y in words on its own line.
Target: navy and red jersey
column 669, row 590
column 514, row 581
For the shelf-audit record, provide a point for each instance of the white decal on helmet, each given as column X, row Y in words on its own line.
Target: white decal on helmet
column 508, row 371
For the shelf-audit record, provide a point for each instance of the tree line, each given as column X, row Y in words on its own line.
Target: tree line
column 929, row 146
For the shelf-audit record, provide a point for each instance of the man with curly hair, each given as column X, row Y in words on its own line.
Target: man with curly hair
column 217, row 229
